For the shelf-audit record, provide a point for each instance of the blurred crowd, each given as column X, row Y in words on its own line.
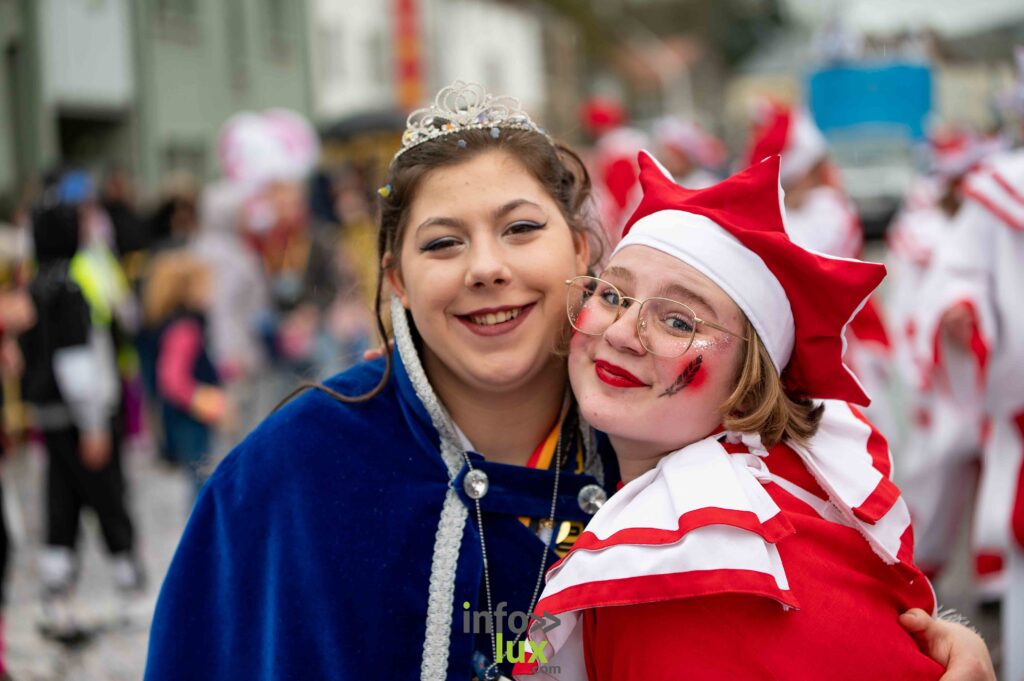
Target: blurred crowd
column 182, row 320
column 186, row 319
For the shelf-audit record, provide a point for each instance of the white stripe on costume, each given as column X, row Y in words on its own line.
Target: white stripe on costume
column 993, row 188
column 679, row 485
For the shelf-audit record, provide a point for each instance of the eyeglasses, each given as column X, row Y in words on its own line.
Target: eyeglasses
column 665, row 327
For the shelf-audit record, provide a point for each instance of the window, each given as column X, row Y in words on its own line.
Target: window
column 379, row 50
column 331, row 50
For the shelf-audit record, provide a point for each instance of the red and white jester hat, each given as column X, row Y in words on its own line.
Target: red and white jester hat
column 734, row 232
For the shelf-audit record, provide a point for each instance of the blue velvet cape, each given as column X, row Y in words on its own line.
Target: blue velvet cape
column 308, row 553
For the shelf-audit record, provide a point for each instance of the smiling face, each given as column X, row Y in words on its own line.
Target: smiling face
column 651, row 405
column 481, row 267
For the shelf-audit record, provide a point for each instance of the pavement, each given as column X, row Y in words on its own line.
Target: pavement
column 160, row 501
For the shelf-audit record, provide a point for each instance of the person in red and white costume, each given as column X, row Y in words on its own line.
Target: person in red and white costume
column 611, row 161
column 937, row 461
column 688, row 151
column 974, row 298
column 820, row 217
column 758, row 533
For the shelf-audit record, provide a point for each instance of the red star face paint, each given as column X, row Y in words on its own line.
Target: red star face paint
column 692, row 372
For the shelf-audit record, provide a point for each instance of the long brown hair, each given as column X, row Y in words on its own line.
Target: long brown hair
column 555, row 166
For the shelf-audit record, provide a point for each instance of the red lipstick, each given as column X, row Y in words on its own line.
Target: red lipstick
column 616, row 376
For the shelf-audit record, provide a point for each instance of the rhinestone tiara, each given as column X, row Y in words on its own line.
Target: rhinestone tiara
column 465, row 106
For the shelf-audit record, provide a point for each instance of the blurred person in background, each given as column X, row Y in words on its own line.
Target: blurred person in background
column 72, row 381
column 938, row 463
column 689, row 152
column 302, row 279
column 273, row 154
column 356, row 214
column 349, row 320
column 823, row 218
column 820, row 217
column 15, row 243
column 16, row 315
column 973, row 301
column 112, row 301
column 15, row 267
column 238, row 300
column 611, row 162
column 177, row 297
column 174, row 222
column 171, row 226
column 118, row 199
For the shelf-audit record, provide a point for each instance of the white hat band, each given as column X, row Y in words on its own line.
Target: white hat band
column 699, row 242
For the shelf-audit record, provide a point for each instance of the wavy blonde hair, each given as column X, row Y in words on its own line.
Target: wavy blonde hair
column 170, row 284
column 760, row 404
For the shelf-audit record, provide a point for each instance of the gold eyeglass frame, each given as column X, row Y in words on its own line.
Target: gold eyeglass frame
column 640, row 321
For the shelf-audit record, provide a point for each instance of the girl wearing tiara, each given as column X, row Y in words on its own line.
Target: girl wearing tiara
column 758, row 534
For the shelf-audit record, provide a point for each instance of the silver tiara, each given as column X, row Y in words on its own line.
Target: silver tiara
column 465, row 106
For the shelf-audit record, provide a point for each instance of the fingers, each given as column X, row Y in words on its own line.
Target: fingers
column 209, row 404
column 961, row 651
column 915, row 620
column 374, row 353
column 958, row 325
column 931, row 637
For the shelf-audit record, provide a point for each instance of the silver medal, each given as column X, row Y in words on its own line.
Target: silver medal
column 591, row 498
column 475, row 484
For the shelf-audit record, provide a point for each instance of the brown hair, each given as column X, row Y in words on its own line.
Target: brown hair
column 169, row 285
column 555, row 166
column 760, row 403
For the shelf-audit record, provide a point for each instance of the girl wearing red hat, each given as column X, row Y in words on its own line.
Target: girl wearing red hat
column 758, row 533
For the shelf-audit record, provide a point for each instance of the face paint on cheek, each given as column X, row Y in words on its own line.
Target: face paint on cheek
column 581, row 319
column 691, row 375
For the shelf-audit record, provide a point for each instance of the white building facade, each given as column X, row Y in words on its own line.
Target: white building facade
column 356, row 49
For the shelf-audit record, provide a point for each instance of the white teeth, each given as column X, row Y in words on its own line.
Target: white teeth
column 492, row 318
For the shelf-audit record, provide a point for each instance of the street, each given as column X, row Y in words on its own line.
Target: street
column 159, row 499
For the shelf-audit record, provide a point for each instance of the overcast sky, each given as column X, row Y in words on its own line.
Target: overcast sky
column 949, row 17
